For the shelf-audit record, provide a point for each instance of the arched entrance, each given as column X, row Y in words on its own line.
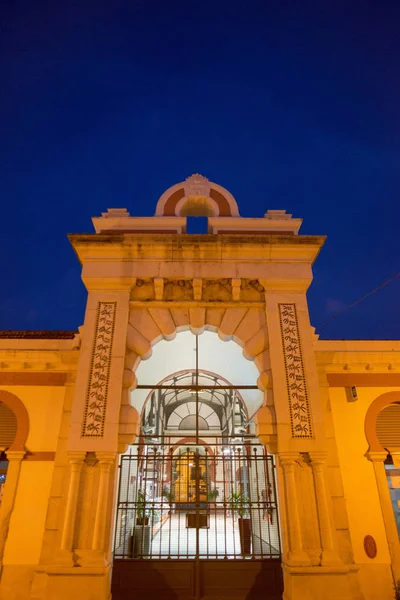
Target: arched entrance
column 197, row 513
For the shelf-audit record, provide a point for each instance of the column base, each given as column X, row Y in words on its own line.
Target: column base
column 314, row 583
column 66, row 583
column 298, row 558
column 330, row 558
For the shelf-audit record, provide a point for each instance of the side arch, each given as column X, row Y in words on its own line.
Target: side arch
column 371, row 416
column 18, row 408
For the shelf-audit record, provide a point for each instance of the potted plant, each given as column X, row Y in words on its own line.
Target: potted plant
column 142, row 514
column 213, row 494
column 168, row 494
column 239, row 504
column 141, row 532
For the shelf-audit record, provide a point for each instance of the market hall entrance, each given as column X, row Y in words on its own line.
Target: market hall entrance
column 197, row 513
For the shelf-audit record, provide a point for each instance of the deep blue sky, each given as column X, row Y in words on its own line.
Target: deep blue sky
column 289, row 105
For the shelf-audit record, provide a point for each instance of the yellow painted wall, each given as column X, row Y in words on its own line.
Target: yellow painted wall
column 44, row 405
column 360, row 489
column 361, row 493
column 27, row 523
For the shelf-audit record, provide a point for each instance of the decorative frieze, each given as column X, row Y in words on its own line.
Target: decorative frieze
column 159, row 288
column 217, row 290
column 198, row 289
column 96, row 400
column 252, row 290
column 236, row 289
column 177, row 290
column 143, row 290
column 300, row 417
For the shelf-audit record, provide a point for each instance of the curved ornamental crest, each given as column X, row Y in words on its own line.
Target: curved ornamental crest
column 96, row 399
column 300, row 418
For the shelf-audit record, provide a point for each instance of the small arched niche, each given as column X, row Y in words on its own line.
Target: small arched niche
column 197, row 207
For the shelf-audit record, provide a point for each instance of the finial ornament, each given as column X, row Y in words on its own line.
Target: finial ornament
column 197, row 185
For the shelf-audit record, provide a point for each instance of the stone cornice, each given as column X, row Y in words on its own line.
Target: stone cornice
column 40, row 345
column 195, row 304
column 21, row 360
column 371, row 360
column 356, row 346
column 37, row 335
column 154, row 247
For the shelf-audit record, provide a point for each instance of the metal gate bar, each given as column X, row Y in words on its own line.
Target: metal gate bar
column 204, row 501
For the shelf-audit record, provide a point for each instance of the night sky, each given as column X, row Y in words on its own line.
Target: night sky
column 289, row 105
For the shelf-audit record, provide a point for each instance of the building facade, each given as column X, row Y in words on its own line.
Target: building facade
column 195, row 438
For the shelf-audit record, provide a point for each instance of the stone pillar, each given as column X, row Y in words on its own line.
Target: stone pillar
column 377, row 459
column 296, row 554
column 106, row 461
column 75, row 466
column 10, row 491
column 99, row 382
column 328, row 555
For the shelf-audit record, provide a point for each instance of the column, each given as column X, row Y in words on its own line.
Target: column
column 296, row 554
column 75, row 467
column 14, row 458
column 106, row 461
column 377, row 459
column 328, row 555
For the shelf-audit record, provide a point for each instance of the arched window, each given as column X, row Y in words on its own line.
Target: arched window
column 388, row 434
column 8, row 433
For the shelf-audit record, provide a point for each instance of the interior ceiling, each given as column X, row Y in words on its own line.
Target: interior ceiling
column 224, row 358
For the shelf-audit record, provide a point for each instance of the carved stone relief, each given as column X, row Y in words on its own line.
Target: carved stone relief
column 300, row 417
column 96, row 399
column 181, row 289
column 143, row 290
column 252, row 290
column 217, row 290
column 208, row 290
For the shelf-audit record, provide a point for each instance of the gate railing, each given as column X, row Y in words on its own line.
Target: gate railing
column 215, row 501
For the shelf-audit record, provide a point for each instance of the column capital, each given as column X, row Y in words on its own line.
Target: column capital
column 288, row 458
column 318, row 457
column 377, row 456
column 76, row 456
column 15, row 455
column 106, row 457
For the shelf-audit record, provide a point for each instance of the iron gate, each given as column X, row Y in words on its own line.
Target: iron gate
column 197, row 520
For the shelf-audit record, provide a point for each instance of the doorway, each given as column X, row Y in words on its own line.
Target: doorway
column 197, row 512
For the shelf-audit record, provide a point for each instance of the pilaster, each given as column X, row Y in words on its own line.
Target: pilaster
column 297, row 402
column 296, row 554
column 106, row 461
column 377, row 459
column 97, row 401
column 13, row 472
column 75, row 468
column 318, row 463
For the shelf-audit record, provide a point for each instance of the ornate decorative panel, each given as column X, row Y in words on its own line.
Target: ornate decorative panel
column 300, row 417
column 96, row 400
